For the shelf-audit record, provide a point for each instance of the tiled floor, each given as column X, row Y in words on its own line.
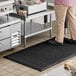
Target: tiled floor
column 9, row 68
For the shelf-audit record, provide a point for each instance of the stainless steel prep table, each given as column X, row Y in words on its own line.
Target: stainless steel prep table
column 31, row 17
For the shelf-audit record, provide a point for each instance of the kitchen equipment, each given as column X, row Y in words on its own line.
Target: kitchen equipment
column 6, row 7
column 30, row 6
column 10, row 33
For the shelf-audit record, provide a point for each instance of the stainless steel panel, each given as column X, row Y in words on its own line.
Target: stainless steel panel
column 3, row 0
column 37, row 8
column 4, row 44
column 4, row 33
column 15, row 28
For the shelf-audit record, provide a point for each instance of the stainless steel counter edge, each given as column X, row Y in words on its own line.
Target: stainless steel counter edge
column 6, row 2
column 9, row 23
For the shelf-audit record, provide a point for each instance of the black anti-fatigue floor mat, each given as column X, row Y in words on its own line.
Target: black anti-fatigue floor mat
column 43, row 55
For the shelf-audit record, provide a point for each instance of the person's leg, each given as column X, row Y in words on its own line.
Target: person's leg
column 72, row 22
column 72, row 25
column 60, row 11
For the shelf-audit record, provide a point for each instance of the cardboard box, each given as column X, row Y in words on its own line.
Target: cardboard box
column 71, row 66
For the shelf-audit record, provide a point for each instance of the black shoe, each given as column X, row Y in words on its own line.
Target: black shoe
column 71, row 41
column 53, row 42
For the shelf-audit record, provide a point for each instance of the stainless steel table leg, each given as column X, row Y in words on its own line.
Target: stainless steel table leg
column 65, row 30
column 66, row 26
column 7, row 17
column 45, row 21
column 31, row 26
column 50, row 31
column 24, row 33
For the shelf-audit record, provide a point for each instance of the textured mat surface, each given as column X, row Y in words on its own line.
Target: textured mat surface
column 43, row 55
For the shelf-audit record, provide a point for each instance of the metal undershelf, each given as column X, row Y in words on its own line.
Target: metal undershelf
column 35, row 29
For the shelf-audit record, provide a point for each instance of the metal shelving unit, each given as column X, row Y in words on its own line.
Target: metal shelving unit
column 30, row 26
column 36, row 28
